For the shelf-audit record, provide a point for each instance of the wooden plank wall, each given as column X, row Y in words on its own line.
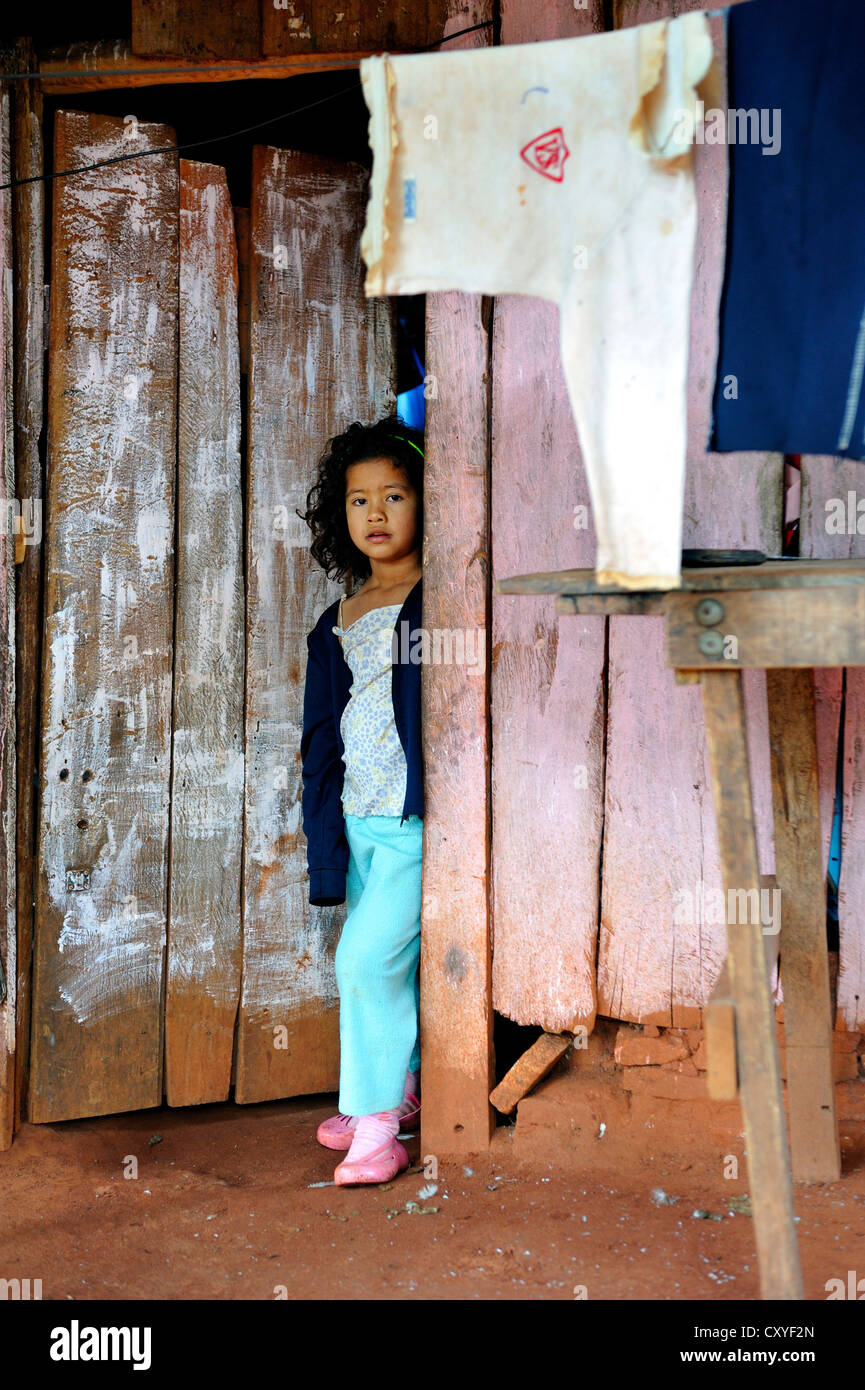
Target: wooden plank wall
column 827, row 480
column 204, row 945
column 593, row 746
column 659, row 829
column 651, row 798
column 197, row 29
column 247, row 29
column 755, row 482
column 547, row 692
column 107, row 649
column 659, row 834
column 8, row 944
column 321, row 356
column 301, row 26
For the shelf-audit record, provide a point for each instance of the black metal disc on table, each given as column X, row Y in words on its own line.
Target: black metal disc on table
column 711, row 559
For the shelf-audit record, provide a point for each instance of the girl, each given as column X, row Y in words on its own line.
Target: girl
column 362, row 796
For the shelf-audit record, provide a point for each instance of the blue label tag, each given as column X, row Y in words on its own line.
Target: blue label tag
column 409, row 200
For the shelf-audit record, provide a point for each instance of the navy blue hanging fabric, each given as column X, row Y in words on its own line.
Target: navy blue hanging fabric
column 411, row 400
column 791, row 361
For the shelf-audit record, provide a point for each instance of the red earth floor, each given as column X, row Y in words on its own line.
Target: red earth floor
column 228, row 1204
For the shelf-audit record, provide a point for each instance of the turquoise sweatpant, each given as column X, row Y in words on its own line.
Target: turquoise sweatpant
column 377, row 963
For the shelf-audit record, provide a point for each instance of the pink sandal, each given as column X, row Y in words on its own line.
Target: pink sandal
column 338, row 1131
column 380, row 1166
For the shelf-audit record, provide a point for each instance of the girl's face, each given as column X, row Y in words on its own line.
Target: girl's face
column 381, row 508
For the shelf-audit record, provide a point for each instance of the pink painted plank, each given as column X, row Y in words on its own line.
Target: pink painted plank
column 523, row 22
column 547, row 693
column 626, row 12
column 832, row 491
column 659, row 830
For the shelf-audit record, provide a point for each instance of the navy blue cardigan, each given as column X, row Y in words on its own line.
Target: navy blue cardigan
column 325, row 696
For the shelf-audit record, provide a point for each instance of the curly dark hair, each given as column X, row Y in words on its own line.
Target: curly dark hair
column 325, row 516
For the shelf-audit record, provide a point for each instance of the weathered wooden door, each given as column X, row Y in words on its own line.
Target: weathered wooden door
column 175, row 949
column 320, row 356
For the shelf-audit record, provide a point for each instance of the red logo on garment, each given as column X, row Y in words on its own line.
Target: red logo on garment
column 547, row 154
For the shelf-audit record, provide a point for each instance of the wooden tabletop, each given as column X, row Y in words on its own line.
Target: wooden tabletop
column 774, row 574
column 782, row 613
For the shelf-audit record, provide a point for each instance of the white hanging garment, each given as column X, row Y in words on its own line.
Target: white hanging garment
column 563, row 169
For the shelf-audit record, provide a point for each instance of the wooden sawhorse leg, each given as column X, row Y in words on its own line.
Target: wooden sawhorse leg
column 804, row 959
column 770, row 1179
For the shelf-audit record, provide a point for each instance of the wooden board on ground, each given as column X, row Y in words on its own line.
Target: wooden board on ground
column 106, row 687
column 204, row 943
column 529, row 1070
column 321, row 356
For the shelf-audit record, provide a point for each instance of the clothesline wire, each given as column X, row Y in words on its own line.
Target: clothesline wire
column 212, row 139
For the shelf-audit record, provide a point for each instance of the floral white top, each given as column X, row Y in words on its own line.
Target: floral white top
column 375, row 767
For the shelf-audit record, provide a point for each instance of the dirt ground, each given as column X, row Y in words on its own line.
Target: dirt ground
column 228, row 1204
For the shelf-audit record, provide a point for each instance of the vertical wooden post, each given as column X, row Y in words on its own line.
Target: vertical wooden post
column 456, row 1012
column 28, row 211
column 804, row 960
column 455, row 969
column 8, row 942
column 756, row 1038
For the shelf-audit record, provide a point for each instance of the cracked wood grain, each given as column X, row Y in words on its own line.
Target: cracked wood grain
column 106, row 689
column 204, row 941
